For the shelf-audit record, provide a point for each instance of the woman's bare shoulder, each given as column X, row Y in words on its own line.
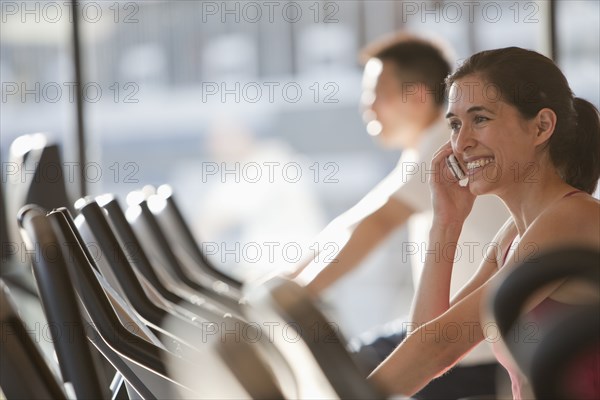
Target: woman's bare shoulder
column 574, row 220
column 581, row 208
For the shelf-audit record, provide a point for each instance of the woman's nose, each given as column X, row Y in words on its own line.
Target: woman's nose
column 463, row 140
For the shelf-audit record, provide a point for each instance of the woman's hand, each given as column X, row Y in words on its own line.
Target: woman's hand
column 451, row 202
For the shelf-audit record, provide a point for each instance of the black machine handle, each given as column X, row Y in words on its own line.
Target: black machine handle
column 60, row 304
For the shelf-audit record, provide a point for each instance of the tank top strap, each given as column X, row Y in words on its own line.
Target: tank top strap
column 571, row 193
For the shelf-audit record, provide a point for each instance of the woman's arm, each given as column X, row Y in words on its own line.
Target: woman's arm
column 451, row 205
column 436, row 346
column 432, row 348
column 493, row 258
column 432, row 297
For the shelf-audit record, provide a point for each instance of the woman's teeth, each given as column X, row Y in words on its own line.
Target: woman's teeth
column 479, row 163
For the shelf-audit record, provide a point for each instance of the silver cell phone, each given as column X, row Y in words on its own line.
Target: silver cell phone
column 455, row 167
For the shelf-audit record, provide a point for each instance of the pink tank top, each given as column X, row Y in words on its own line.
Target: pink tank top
column 583, row 377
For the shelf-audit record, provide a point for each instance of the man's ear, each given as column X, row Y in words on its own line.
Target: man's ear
column 545, row 123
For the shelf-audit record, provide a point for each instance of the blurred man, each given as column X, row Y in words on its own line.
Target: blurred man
column 403, row 97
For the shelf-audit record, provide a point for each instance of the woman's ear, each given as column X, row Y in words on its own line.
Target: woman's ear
column 545, row 121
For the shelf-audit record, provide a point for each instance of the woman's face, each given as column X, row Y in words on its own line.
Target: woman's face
column 491, row 139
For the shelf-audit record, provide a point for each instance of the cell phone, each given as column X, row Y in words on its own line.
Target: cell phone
column 455, row 167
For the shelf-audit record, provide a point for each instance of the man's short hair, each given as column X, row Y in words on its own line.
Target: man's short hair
column 417, row 60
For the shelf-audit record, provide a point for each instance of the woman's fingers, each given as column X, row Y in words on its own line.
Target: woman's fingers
column 446, row 149
column 440, row 166
column 450, row 200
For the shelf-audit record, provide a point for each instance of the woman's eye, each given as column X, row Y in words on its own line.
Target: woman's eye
column 454, row 126
column 480, row 118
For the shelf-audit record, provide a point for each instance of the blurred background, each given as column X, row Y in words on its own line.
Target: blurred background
column 250, row 110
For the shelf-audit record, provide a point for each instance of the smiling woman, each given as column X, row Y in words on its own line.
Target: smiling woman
column 537, row 147
column 493, row 140
column 540, row 94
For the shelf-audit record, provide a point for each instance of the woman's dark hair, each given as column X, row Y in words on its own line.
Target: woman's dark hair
column 530, row 81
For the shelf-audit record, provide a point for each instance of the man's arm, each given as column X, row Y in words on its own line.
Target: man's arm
column 367, row 235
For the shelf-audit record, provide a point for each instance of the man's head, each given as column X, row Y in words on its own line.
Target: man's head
column 403, row 89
